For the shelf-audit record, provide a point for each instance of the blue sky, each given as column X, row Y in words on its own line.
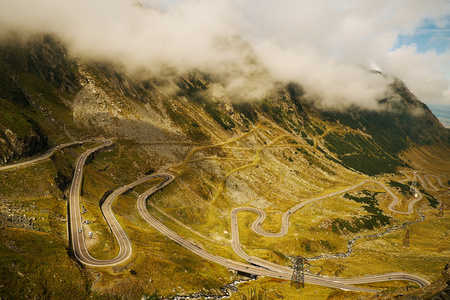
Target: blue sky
column 428, row 37
column 408, row 39
column 431, row 37
column 425, row 35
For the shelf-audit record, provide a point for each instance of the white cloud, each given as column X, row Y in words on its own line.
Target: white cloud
column 326, row 80
column 426, row 74
column 184, row 37
column 348, row 33
column 323, row 44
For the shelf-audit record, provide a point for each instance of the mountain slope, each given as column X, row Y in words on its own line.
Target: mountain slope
column 39, row 75
column 225, row 151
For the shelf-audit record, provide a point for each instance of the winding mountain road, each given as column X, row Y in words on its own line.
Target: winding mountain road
column 256, row 227
column 257, row 266
column 47, row 154
column 283, row 273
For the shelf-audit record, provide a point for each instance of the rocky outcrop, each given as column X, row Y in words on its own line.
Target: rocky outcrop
column 14, row 147
column 13, row 216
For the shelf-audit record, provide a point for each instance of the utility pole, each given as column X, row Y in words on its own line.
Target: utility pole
column 441, row 210
column 298, row 274
column 406, row 239
column 413, row 187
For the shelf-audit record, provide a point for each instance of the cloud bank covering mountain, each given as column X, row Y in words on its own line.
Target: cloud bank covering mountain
column 326, row 46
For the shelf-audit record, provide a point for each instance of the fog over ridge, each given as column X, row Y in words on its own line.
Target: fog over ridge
column 326, row 46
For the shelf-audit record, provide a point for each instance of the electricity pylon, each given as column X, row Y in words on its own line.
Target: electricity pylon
column 441, row 210
column 298, row 274
column 406, row 239
column 413, row 187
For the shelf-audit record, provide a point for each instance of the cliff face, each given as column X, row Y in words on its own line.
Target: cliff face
column 13, row 147
column 20, row 132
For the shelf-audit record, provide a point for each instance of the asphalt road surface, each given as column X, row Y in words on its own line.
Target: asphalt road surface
column 255, row 266
column 256, row 227
column 283, row 273
column 47, row 154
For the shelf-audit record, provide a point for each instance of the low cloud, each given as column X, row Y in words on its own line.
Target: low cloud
column 328, row 82
column 324, row 45
column 426, row 74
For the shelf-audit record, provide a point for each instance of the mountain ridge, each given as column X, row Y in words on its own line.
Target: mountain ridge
column 64, row 75
column 225, row 152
